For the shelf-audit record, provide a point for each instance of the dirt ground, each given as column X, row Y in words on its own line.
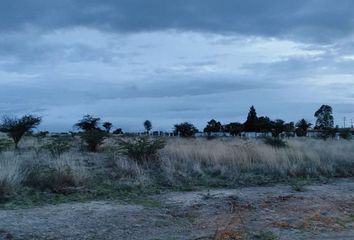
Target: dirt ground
column 319, row 211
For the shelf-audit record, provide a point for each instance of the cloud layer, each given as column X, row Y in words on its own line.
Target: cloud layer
column 171, row 61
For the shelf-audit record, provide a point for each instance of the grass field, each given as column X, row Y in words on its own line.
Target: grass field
column 57, row 169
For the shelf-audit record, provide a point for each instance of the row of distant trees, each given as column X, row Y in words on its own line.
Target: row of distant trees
column 324, row 123
column 254, row 123
column 94, row 133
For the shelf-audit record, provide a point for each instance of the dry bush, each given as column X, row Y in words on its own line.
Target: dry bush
column 235, row 159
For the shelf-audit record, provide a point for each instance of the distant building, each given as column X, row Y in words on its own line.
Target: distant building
column 314, row 133
column 255, row 134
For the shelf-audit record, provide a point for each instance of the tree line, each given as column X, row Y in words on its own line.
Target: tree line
column 93, row 133
column 263, row 124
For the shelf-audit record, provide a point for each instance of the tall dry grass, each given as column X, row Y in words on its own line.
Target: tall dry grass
column 233, row 159
column 40, row 170
column 182, row 162
column 10, row 174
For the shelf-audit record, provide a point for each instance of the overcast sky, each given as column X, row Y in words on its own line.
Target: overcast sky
column 175, row 60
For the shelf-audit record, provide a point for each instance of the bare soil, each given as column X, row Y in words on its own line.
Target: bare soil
column 320, row 211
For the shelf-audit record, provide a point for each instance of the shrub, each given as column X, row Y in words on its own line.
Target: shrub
column 275, row 142
column 93, row 138
column 58, row 146
column 142, row 149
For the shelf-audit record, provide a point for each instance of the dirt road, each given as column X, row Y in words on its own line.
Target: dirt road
column 321, row 211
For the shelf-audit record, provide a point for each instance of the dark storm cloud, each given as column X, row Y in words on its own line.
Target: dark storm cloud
column 320, row 20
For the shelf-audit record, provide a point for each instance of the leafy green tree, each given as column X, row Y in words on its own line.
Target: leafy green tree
column 325, row 121
column 324, row 117
column 251, row 123
column 87, row 123
column 17, row 127
column 107, row 126
column 185, row 129
column 213, row 126
column 301, row 127
column 147, row 126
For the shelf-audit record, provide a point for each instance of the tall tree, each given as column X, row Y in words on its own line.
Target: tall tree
column 16, row 128
column 301, row 127
column 147, row 126
column 324, row 117
column 251, row 123
column 325, row 121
